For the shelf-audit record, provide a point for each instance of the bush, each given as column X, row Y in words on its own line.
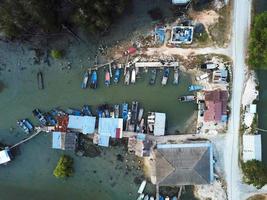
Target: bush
column 64, row 167
column 258, row 42
column 56, row 54
column 255, row 173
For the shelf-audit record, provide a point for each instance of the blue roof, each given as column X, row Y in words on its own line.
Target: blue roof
column 103, row 141
column 56, row 140
column 160, row 32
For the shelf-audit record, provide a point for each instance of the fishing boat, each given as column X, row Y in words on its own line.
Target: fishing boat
column 124, row 111
column 117, row 75
column 142, row 187
column 176, row 77
column 187, row 98
column 151, row 198
column 141, row 196
column 161, row 198
column 86, row 111
column 50, row 120
column 116, row 111
column 72, row 111
column 127, row 78
column 166, row 72
column 40, row 80
column 28, row 124
column 146, row 197
column 107, row 78
column 23, row 126
column 133, row 76
column 167, row 198
column 112, row 114
column 140, row 114
column 107, row 113
column 57, row 112
column 134, row 109
column 100, row 113
column 85, row 80
column 174, row 198
column 195, row 88
column 41, row 118
column 93, row 83
column 153, row 76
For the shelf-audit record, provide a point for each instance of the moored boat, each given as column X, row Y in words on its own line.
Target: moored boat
column 72, row 111
column 86, row 110
column 93, row 83
column 142, row 187
column 153, row 76
column 107, row 78
column 28, row 124
column 23, row 126
column 40, row 80
column 140, row 197
column 124, row 111
column 165, row 77
column 50, row 120
column 195, row 88
column 116, row 111
column 133, row 76
column 117, row 75
column 127, row 78
column 151, row 198
column 41, row 117
column 176, row 76
column 85, row 80
column 140, row 114
column 187, row 98
column 146, row 197
column 134, row 114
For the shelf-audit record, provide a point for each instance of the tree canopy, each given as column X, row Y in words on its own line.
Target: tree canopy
column 258, row 42
column 31, row 16
column 255, row 173
column 64, row 167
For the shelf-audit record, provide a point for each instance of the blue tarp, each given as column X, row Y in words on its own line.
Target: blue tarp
column 141, row 137
column 160, row 33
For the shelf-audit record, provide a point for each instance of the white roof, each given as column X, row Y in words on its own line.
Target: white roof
column 108, row 127
column 159, row 127
column 83, row 124
column 253, row 108
column 251, row 147
column 4, row 157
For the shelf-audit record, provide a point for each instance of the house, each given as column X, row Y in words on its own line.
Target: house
column 216, row 106
column 180, row 2
column 109, row 127
column 184, row 164
column 182, row 34
column 220, row 76
column 156, row 123
column 252, row 147
column 82, row 124
column 64, row 141
column 4, row 156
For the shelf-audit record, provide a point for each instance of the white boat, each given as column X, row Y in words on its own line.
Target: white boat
column 133, row 77
column 127, row 77
column 142, row 187
column 176, row 77
column 151, row 198
column 141, row 196
column 167, row 198
column 146, row 197
column 140, row 114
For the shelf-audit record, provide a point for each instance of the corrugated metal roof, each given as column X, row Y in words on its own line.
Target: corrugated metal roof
column 108, row 126
column 159, row 127
column 83, row 124
column 56, row 140
column 4, row 156
column 252, row 147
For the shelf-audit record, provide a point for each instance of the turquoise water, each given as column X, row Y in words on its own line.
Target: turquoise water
column 29, row 175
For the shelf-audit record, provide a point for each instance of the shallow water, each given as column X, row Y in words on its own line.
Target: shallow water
column 29, row 175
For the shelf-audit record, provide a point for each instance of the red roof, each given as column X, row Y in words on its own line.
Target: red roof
column 216, row 104
column 118, row 131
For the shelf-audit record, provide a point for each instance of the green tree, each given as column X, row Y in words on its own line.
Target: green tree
column 258, row 42
column 255, row 172
column 64, row 167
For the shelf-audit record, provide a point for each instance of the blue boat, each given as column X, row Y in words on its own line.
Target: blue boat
column 25, row 125
column 166, row 73
column 117, row 75
column 125, row 111
column 161, row 198
column 93, row 83
column 75, row 112
column 195, row 88
column 100, row 113
column 28, row 124
column 41, row 117
column 85, row 80
column 51, row 120
column 86, row 110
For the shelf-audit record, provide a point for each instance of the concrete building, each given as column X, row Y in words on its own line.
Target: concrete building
column 64, row 141
column 182, row 34
column 252, row 147
column 109, row 127
column 82, row 124
column 184, row 164
column 4, row 156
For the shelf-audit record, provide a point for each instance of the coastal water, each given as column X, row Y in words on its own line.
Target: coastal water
column 261, row 6
column 29, row 175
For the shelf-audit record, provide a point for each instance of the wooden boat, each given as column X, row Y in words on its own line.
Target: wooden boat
column 176, row 76
column 85, row 80
column 187, row 98
column 40, row 80
column 165, row 76
column 153, row 76
column 127, row 78
column 107, row 78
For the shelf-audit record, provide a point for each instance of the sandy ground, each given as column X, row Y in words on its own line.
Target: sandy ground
column 206, row 17
column 250, row 92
